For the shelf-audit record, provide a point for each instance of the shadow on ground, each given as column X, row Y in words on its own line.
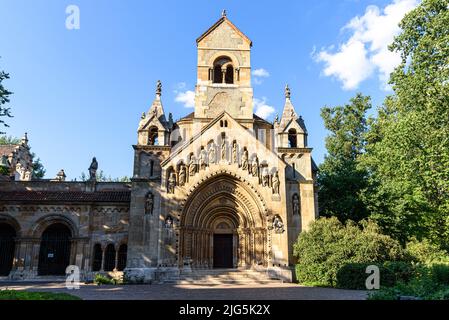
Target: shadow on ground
column 194, row 292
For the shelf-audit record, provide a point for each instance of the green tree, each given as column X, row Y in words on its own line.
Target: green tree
column 340, row 179
column 408, row 146
column 4, row 99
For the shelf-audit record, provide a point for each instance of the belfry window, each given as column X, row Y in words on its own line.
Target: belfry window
column 223, row 71
column 292, row 139
column 229, row 78
column 153, row 137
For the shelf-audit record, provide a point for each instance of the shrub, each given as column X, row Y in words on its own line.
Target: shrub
column 440, row 274
column 329, row 245
column 427, row 282
column 353, row 276
column 426, row 252
column 101, row 279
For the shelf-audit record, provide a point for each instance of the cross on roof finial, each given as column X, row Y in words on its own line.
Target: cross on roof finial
column 223, row 13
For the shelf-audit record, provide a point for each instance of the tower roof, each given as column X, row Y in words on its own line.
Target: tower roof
column 224, row 19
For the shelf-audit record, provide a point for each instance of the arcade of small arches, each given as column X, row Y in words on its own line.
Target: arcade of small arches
column 223, row 71
column 51, row 246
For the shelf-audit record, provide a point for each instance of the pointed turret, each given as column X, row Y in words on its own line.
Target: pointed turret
column 291, row 128
column 153, row 126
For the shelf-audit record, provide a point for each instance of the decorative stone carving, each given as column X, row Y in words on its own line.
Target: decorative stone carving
column 202, row 160
column 192, row 167
column 93, row 170
column 287, row 92
column 60, row 176
column 212, row 155
column 172, row 182
column 278, row 225
column 265, row 178
column 245, row 159
column 159, row 88
column 223, row 149
column 149, row 203
column 234, row 152
column 182, row 175
column 296, row 204
column 255, row 167
column 169, row 223
column 276, row 183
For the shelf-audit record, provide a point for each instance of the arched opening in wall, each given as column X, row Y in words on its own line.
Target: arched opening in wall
column 54, row 254
column 223, row 225
column 122, row 254
column 7, row 246
column 97, row 257
column 109, row 258
column 223, row 64
column 153, row 138
column 292, row 138
column 229, row 74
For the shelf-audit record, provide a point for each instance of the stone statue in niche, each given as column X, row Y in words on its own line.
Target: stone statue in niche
column 223, row 149
column 278, row 225
column 234, row 152
column 245, row 160
column 182, row 175
column 169, row 223
column 93, row 170
column 192, row 166
column 149, row 204
column 296, row 207
column 212, row 155
column 265, row 178
column 255, row 167
column 172, row 182
column 276, row 183
column 202, row 160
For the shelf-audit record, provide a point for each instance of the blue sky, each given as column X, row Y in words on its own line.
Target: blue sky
column 80, row 93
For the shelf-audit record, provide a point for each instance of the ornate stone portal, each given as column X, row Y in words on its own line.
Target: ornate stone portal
column 224, row 201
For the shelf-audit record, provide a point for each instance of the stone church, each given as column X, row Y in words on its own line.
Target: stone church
column 220, row 189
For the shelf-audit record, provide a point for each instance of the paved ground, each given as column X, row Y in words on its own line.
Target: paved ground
column 194, row 292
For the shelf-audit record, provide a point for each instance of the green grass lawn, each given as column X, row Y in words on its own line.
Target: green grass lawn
column 26, row 295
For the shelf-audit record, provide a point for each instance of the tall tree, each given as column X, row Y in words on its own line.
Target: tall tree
column 4, row 99
column 408, row 145
column 339, row 177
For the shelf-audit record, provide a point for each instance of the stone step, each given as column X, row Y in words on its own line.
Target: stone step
column 223, row 281
column 222, row 276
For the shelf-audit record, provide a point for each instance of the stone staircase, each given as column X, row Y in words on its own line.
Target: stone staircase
column 222, row 276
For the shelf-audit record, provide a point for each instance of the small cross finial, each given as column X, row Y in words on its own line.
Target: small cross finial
column 287, row 92
column 223, row 13
column 159, row 88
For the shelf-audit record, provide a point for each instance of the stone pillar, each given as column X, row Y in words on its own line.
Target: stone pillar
column 116, row 256
column 103, row 252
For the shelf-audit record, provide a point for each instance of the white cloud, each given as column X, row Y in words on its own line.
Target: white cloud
column 366, row 51
column 186, row 97
column 263, row 110
column 261, row 73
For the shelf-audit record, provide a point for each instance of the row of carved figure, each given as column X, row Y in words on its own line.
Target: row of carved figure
column 180, row 176
column 149, row 204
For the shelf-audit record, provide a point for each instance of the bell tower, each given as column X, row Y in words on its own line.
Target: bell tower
column 224, row 72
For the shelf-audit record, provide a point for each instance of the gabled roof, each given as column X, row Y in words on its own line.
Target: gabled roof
column 217, row 24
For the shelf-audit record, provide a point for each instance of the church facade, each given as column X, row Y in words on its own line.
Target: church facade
column 219, row 189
